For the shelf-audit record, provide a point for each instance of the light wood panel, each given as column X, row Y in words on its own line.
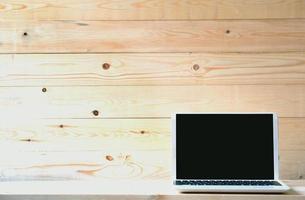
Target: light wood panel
column 85, row 149
column 86, row 165
column 85, row 134
column 292, row 134
column 152, row 69
column 152, row 36
column 148, row 101
column 112, row 134
column 110, row 164
column 292, row 164
column 69, row 149
column 150, row 9
column 163, row 56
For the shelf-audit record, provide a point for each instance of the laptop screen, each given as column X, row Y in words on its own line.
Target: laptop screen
column 224, row 146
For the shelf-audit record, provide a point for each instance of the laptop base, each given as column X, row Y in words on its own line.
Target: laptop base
column 233, row 188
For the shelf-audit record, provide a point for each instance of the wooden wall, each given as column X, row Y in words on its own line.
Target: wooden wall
column 87, row 86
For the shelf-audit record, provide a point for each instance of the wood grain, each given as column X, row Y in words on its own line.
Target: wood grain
column 152, row 69
column 85, row 165
column 152, row 36
column 85, row 134
column 111, row 134
column 148, row 101
column 292, row 164
column 123, row 165
column 149, row 9
column 69, row 149
column 67, row 115
column 292, row 133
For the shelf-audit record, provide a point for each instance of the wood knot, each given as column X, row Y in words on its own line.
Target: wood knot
column 228, row 31
column 82, row 24
column 27, row 140
column 127, row 157
column 25, row 34
column 61, row 126
column 196, row 67
column 44, row 89
column 109, row 158
column 95, row 112
column 142, row 132
column 106, row 66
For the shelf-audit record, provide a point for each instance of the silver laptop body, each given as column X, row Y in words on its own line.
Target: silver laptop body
column 199, row 137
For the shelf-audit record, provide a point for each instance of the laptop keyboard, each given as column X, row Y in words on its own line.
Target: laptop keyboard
column 228, row 182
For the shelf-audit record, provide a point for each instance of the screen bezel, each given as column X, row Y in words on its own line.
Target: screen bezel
column 275, row 138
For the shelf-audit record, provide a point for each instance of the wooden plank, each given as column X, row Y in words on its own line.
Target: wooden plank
column 148, row 10
column 110, row 164
column 292, row 133
column 292, row 164
column 85, row 134
column 69, row 149
column 148, row 101
column 151, row 69
column 152, row 36
column 85, row 165
column 112, row 134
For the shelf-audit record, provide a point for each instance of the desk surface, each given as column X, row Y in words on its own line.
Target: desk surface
column 75, row 190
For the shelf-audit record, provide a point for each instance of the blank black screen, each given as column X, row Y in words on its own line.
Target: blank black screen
column 224, row 146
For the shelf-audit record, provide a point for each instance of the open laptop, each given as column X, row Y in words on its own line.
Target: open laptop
column 226, row 152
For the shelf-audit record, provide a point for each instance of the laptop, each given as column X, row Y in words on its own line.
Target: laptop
column 226, row 152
